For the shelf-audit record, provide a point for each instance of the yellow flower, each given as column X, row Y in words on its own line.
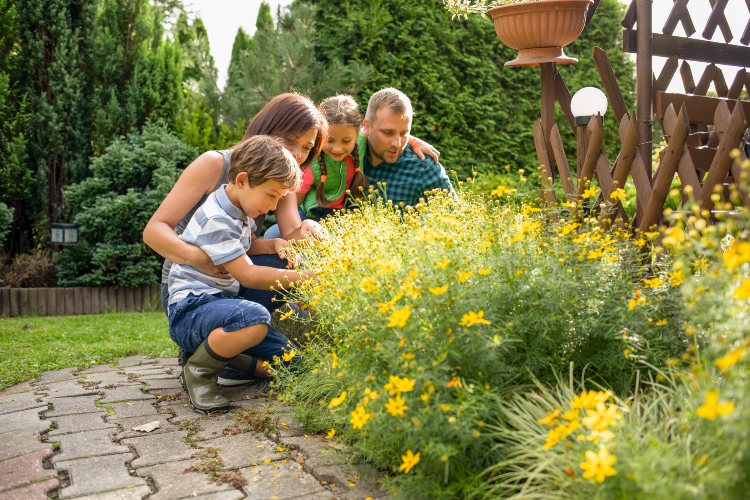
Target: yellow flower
column 637, row 300
column 661, row 322
column 551, row 418
column 553, row 437
column 590, row 192
column 653, row 283
column 396, row 406
column 370, row 285
column 438, row 290
column 711, row 408
column 471, row 318
column 589, row 399
column 598, row 466
column 485, row 271
column 502, row 190
column 371, row 395
column 442, row 264
column 600, row 417
column 397, row 385
column 736, row 255
column 288, row 356
column 331, row 433
column 730, row 359
column 568, row 228
column 408, row 461
column 360, row 417
column 454, row 382
column 337, row 400
column 399, row 317
column 464, row 275
column 742, row 292
column 286, row 315
column 676, row 278
column 445, row 408
column 334, row 360
column 618, row 194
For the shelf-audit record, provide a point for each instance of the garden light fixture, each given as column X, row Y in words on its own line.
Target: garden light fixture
column 63, row 233
column 587, row 102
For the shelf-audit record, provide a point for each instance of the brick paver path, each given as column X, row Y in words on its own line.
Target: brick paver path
column 78, row 434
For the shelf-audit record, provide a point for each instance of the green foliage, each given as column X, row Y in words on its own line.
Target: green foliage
column 112, row 207
column 6, row 219
column 470, row 301
column 61, row 342
column 479, row 113
column 282, row 59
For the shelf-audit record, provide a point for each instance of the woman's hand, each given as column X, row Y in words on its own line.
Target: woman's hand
column 202, row 262
column 422, row 148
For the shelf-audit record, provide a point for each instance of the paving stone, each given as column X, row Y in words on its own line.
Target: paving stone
column 97, row 369
column 131, row 409
column 288, row 426
column 165, row 361
column 259, row 405
column 159, row 448
column 77, row 423
column 171, row 483
column 36, row 491
column 23, row 420
column 69, row 388
column 242, row 450
column 128, row 424
column 283, row 482
column 224, row 495
column 125, row 393
column 212, row 426
column 127, row 494
column 157, row 376
column 98, row 474
column 25, row 469
column 182, row 412
column 15, row 389
column 145, row 370
column 134, row 360
column 68, row 406
column 56, row 376
column 162, row 383
column 22, row 443
column 362, row 477
column 312, row 448
column 86, row 444
column 19, row 402
column 243, row 392
column 107, row 378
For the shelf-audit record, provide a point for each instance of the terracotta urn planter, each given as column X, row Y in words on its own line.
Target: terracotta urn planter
column 540, row 30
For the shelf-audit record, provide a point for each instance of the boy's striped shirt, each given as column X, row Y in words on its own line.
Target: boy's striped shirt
column 223, row 231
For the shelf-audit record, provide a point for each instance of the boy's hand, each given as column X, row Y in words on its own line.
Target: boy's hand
column 284, row 249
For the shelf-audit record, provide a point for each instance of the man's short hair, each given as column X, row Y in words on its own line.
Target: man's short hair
column 264, row 158
column 393, row 99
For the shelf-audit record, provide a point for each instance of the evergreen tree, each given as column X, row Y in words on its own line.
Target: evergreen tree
column 479, row 113
column 282, row 59
column 15, row 177
column 264, row 21
column 55, row 71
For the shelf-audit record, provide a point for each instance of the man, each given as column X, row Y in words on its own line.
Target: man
column 389, row 160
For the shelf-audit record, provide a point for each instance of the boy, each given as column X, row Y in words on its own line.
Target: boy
column 205, row 315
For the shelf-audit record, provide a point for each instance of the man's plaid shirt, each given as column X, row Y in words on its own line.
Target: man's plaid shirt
column 407, row 180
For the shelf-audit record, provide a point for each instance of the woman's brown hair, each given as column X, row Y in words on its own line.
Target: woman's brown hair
column 342, row 110
column 290, row 115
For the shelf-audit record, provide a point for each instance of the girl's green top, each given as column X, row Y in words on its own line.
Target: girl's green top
column 335, row 185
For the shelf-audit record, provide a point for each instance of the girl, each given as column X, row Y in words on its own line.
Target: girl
column 325, row 182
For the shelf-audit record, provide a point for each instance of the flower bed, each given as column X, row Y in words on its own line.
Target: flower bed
column 447, row 333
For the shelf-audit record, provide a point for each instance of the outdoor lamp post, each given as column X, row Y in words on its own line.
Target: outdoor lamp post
column 63, row 233
column 586, row 102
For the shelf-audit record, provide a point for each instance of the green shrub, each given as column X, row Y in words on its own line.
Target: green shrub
column 113, row 206
column 449, row 308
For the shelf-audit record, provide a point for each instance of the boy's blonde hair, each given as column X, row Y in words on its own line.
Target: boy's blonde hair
column 264, row 159
column 393, row 99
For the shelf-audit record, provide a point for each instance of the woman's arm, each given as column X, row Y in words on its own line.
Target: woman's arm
column 422, row 148
column 198, row 179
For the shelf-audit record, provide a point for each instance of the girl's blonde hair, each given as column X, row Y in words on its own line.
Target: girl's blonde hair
column 342, row 110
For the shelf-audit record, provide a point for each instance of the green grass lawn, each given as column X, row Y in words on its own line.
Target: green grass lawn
column 29, row 346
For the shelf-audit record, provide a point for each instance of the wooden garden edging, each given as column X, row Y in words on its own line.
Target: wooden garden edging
column 78, row 300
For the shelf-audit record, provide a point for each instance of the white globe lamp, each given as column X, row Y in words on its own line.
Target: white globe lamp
column 587, row 102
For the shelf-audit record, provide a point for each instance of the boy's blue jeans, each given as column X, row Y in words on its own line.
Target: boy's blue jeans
column 193, row 318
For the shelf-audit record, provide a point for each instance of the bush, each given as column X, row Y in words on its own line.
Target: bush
column 113, row 206
column 430, row 318
column 32, row 270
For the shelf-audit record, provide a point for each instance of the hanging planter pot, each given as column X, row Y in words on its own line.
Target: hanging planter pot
column 539, row 30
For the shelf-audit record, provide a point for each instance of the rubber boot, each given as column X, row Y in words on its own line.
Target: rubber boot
column 242, row 362
column 199, row 380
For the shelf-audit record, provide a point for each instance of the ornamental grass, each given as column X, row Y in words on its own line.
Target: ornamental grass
column 427, row 320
